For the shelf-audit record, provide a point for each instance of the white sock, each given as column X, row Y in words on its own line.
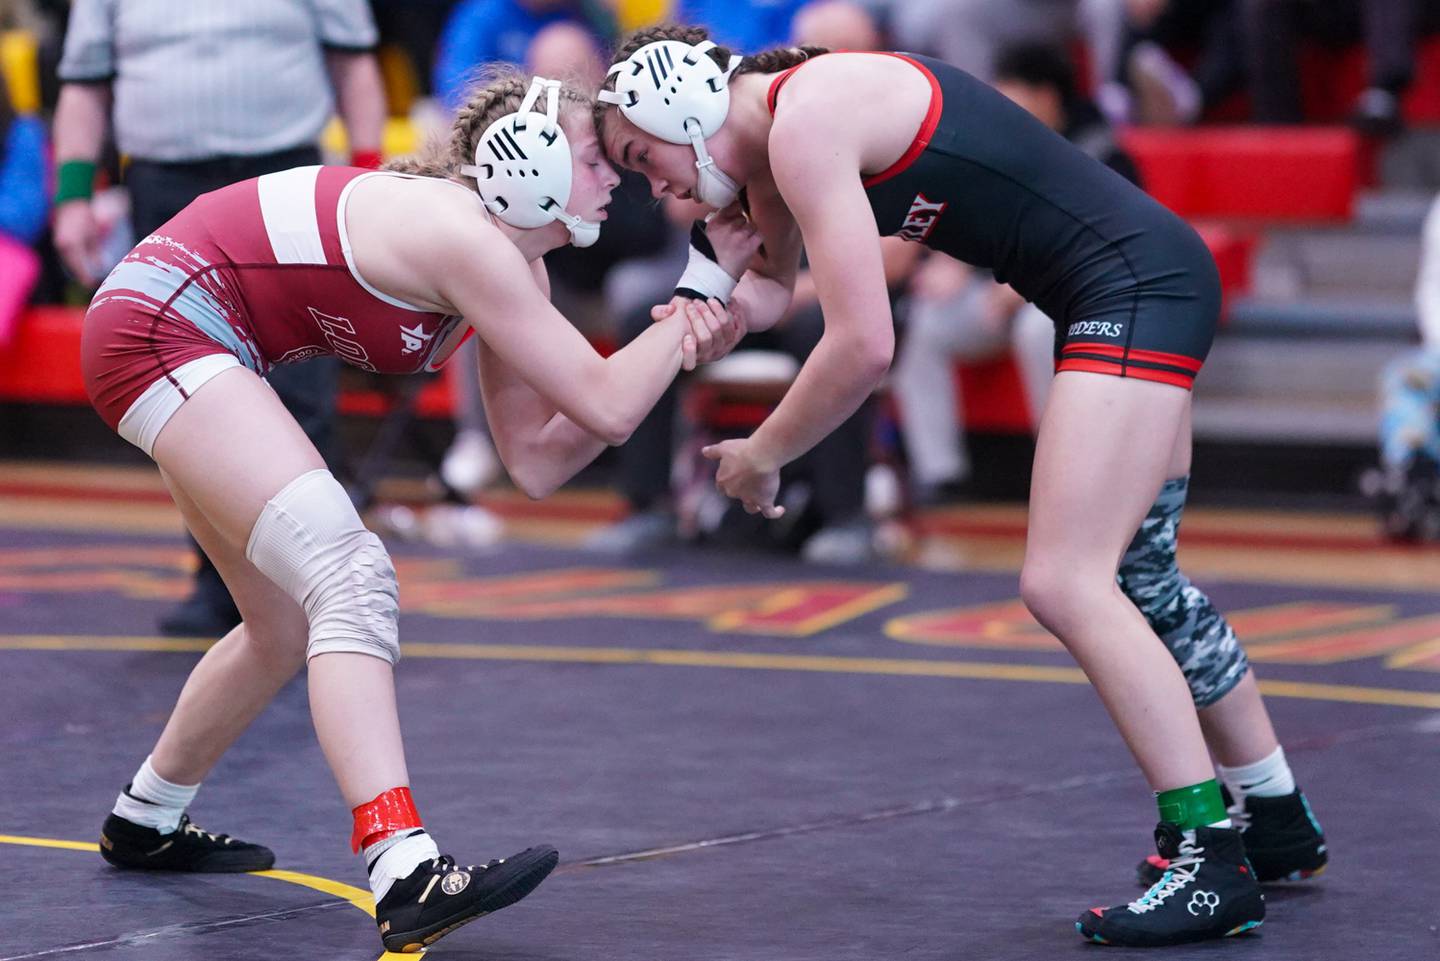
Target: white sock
column 1268, row 777
column 396, row 857
column 153, row 801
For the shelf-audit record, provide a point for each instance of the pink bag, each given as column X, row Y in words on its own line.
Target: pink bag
column 19, row 270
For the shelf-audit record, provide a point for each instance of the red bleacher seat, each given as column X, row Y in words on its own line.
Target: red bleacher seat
column 42, row 363
column 992, row 397
column 434, row 400
column 1422, row 100
column 42, row 366
column 1293, row 174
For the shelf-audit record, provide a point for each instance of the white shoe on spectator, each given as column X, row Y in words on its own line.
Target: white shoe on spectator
column 470, row 464
column 640, row 531
column 850, row 542
column 1377, row 113
column 466, row 526
column 884, row 492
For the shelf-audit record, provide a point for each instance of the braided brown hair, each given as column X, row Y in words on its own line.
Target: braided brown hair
column 770, row 61
column 497, row 90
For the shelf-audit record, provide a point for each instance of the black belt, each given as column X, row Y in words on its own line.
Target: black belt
column 236, row 167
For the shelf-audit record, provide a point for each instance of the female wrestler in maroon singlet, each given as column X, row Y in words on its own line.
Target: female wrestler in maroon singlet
column 390, row 272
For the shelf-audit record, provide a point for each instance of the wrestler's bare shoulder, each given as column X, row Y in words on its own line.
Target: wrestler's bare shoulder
column 409, row 234
column 422, row 210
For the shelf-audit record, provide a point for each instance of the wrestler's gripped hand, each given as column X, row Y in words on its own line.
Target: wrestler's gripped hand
column 714, row 329
column 734, row 238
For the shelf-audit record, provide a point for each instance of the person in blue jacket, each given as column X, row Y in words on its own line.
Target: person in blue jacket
column 484, row 31
column 23, row 204
column 743, row 24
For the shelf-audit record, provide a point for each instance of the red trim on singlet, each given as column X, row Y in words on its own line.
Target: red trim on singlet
column 777, row 83
column 1115, row 368
column 1135, row 353
column 1161, row 357
column 922, row 137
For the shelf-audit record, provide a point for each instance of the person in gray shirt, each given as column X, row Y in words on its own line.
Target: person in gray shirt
column 200, row 95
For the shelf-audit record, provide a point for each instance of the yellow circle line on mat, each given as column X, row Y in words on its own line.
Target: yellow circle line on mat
column 895, row 667
column 90, row 846
column 363, row 900
column 345, row 892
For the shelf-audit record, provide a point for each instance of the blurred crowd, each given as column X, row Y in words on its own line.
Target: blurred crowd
column 115, row 113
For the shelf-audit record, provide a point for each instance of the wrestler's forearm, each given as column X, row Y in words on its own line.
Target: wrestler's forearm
column 638, row 374
column 762, row 299
column 831, row 386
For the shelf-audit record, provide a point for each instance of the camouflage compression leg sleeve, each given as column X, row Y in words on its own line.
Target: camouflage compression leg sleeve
column 1198, row 636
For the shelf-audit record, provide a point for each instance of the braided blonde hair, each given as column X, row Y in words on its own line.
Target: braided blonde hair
column 769, row 61
column 497, row 90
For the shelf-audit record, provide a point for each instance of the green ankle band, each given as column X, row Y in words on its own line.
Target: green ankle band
column 1192, row 807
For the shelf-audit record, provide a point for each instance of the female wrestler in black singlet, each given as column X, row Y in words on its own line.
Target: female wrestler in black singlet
column 834, row 151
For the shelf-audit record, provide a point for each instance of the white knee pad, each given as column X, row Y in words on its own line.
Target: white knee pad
column 309, row 540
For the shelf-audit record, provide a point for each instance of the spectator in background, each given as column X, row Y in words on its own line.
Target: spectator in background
column 23, row 173
column 1249, row 41
column 835, row 468
column 484, row 31
column 835, row 25
column 557, row 42
column 743, row 24
column 200, row 96
column 1407, row 485
column 969, row 33
column 1041, row 78
column 551, row 44
column 955, row 312
column 413, row 26
column 23, row 142
column 1137, row 80
column 39, row 24
column 23, row 206
column 634, row 228
column 1274, row 28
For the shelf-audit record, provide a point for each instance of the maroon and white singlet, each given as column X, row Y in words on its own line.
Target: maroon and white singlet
column 255, row 274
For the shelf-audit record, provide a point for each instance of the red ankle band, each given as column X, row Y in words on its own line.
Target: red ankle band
column 392, row 811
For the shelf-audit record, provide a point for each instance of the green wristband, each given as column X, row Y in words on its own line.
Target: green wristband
column 1192, row 807
column 74, row 180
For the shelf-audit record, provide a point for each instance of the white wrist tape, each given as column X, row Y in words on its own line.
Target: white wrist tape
column 705, row 278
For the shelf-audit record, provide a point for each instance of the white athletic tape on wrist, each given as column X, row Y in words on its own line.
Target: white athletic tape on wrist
column 706, row 278
column 310, row 541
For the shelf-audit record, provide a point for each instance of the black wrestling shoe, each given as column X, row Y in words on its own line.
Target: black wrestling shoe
column 1207, row 892
column 440, row 896
column 200, row 615
column 1283, row 840
column 126, row 844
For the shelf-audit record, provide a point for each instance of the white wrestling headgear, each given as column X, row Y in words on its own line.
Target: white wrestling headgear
column 677, row 92
column 522, row 167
